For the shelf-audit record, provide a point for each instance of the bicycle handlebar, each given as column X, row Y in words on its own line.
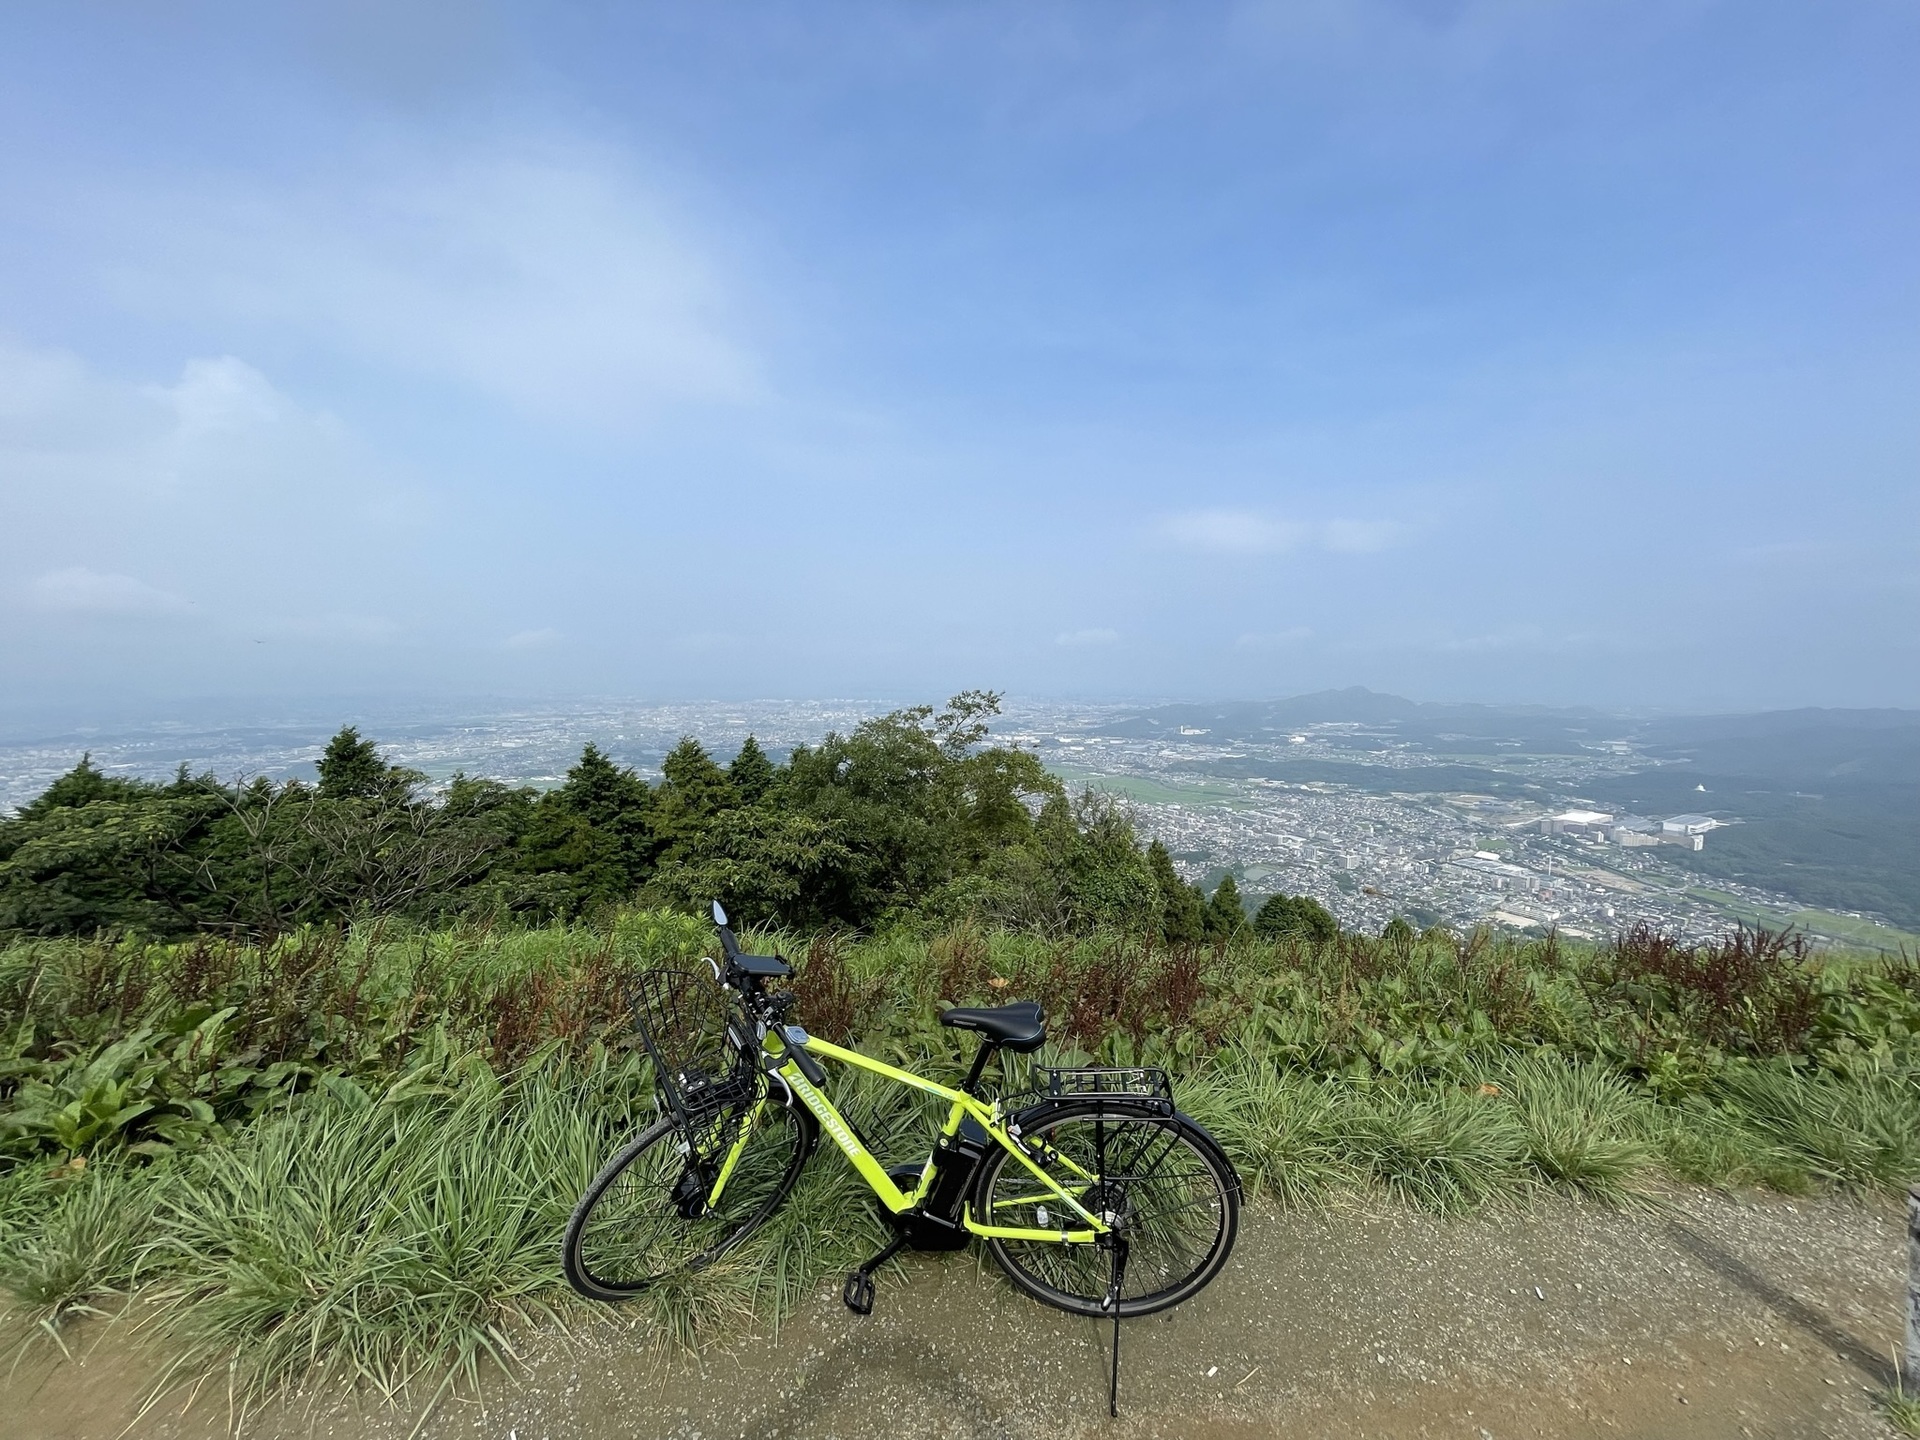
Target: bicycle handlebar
column 745, row 975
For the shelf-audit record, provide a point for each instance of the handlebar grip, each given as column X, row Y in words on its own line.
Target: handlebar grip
column 811, row 1068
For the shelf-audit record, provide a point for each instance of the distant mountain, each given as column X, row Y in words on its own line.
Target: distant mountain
column 1444, row 728
column 1804, row 747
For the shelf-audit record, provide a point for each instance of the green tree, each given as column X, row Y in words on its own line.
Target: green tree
column 1225, row 915
column 96, row 852
column 765, row 866
column 1298, row 915
column 962, row 724
column 693, row 790
column 352, row 768
column 919, row 801
column 1183, row 909
column 593, row 841
column 603, row 793
column 751, row 772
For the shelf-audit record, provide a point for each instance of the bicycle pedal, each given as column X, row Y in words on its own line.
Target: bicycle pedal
column 857, row 1294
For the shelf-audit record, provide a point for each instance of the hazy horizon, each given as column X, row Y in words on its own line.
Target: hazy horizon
column 419, row 352
column 77, row 716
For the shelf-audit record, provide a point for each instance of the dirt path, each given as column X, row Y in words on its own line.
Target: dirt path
column 1722, row 1316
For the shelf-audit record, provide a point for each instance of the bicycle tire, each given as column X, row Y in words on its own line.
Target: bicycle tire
column 1164, row 1172
column 630, row 1232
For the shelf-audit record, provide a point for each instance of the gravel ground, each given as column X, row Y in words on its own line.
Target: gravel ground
column 1711, row 1315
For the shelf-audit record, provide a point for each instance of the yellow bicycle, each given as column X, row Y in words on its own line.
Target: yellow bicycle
column 1095, row 1195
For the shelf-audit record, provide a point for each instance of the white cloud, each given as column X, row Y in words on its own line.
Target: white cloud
column 531, row 639
column 1236, row 532
column 1274, row 639
column 551, row 278
column 219, row 395
column 77, row 590
column 35, row 382
column 1247, row 532
column 1358, row 537
column 268, row 511
column 1087, row 637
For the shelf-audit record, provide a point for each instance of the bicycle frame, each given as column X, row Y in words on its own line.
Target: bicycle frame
column 961, row 1107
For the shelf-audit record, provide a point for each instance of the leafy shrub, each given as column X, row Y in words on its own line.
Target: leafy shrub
column 1754, row 992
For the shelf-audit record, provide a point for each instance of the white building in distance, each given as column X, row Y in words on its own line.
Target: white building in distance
column 1689, row 831
column 1581, row 824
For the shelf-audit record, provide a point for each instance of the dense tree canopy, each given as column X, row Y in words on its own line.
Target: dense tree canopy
column 912, row 811
column 1295, row 915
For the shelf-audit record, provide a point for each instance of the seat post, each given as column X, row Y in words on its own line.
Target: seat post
column 985, row 1053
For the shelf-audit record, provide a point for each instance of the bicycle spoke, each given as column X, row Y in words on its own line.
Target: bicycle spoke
column 1172, row 1199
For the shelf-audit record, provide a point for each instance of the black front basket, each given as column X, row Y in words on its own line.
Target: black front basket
column 700, row 1064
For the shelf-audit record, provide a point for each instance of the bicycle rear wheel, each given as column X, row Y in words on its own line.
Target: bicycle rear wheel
column 1159, row 1179
column 645, row 1218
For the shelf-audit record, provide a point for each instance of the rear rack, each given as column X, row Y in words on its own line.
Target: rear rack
column 1054, row 1082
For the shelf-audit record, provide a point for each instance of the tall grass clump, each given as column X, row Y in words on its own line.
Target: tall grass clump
column 78, row 1242
column 1435, row 1147
column 383, row 1238
column 1583, row 1128
column 1280, row 1128
column 1861, row 1132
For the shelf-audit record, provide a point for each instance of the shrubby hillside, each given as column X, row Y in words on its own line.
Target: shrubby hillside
column 912, row 813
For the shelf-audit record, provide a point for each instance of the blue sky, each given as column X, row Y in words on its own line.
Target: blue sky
column 1513, row 352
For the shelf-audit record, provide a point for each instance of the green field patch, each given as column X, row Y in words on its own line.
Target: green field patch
column 1855, row 931
column 1156, row 792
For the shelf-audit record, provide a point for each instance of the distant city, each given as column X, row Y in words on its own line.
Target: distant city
column 1438, row 857
column 1393, row 814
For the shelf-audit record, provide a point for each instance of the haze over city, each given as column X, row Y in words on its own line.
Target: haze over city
column 1466, row 351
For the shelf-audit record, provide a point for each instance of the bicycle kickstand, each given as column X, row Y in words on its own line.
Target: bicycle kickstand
column 1112, row 1303
column 857, row 1293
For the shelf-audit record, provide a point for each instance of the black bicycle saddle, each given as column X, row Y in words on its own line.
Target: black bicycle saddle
column 1021, row 1026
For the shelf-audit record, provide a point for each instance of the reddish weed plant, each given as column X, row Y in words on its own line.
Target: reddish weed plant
column 1753, row 991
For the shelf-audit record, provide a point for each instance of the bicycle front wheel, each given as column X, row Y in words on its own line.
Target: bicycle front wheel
column 1158, row 1179
column 646, row 1217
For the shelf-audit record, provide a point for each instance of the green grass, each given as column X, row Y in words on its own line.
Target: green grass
column 1862, row 1132
column 79, row 1239
column 1902, row 1410
column 1584, row 1128
column 387, row 1237
column 391, row 1216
